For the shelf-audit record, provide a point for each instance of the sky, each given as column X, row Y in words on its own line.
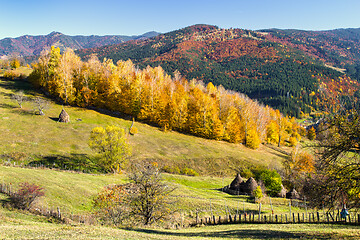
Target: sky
column 135, row 17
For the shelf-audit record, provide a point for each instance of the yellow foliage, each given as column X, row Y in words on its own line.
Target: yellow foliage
column 252, row 139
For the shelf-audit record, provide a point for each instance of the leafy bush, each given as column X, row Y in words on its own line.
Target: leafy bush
column 246, row 173
column 173, row 170
column 271, row 180
column 11, row 75
column 189, row 172
column 133, row 130
column 111, row 204
column 293, row 141
column 176, row 170
column 26, row 195
column 258, row 194
column 311, row 134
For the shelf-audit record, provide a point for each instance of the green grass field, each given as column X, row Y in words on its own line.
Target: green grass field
column 15, row 225
column 26, row 137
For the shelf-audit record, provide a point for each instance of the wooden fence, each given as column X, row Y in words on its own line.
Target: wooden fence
column 252, row 218
column 314, row 217
column 53, row 212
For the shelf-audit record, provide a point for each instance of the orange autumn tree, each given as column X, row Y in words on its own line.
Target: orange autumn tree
column 170, row 102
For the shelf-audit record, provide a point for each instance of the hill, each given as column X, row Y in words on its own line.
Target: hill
column 33, row 45
column 255, row 63
column 30, row 138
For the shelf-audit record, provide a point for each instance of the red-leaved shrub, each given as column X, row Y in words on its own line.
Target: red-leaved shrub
column 26, row 195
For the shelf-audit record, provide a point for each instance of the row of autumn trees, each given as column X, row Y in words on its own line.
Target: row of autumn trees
column 152, row 96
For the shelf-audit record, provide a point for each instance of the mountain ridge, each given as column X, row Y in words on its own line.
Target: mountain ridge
column 274, row 66
column 30, row 45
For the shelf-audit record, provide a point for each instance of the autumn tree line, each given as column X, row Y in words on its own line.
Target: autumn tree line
column 172, row 103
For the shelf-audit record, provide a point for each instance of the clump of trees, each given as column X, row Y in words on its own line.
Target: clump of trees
column 145, row 200
column 112, row 146
column 152, row 96
column 337, row 170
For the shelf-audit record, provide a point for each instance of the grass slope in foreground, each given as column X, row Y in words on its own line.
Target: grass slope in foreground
column 14, row 225
column 73, row 192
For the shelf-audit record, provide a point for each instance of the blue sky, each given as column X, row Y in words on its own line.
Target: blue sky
column 134, row 17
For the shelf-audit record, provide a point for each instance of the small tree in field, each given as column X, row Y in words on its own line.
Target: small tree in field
column 26, row 195
column 40, row 105
column 19, row 97
column 112, row 146
column 149, row 203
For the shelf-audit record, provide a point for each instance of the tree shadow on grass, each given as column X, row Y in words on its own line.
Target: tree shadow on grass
column 240, row 234
column 73, row 161
column 7, row 106
column 17, row 85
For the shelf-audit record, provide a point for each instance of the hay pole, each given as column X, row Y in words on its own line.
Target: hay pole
column 259, row 211
column 237, row 207
column 290, row 209
column 305, row 207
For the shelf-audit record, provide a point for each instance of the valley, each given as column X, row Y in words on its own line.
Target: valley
column 197, row 106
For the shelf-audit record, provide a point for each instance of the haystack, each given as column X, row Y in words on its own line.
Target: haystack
column 236, row 183
column 293, row 194
column 282, row 192
column 64, row 117
column 250, row 185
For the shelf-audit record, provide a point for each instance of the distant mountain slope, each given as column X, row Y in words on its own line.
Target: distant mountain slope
column 336, row 47
column 259, row 64
column 32, row 45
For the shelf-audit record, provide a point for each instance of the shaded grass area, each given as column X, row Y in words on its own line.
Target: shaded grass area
column 17, row 225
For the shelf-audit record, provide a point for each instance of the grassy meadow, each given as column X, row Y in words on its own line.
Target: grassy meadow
column 26, row 137
column 17, row 225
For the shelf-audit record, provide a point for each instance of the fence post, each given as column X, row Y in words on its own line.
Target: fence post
column 293, row 215
column 197, row 217
column 359, row 218
column 214, row 220
column 240, row 218
column 290, row 209
column 181, row 219
column 318, row 216
column 59, row 213
column 286, row 220
column 276, row 218
column 259, row 211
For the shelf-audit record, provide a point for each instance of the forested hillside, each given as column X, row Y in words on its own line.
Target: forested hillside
column 254, row 63
column 155, row 97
